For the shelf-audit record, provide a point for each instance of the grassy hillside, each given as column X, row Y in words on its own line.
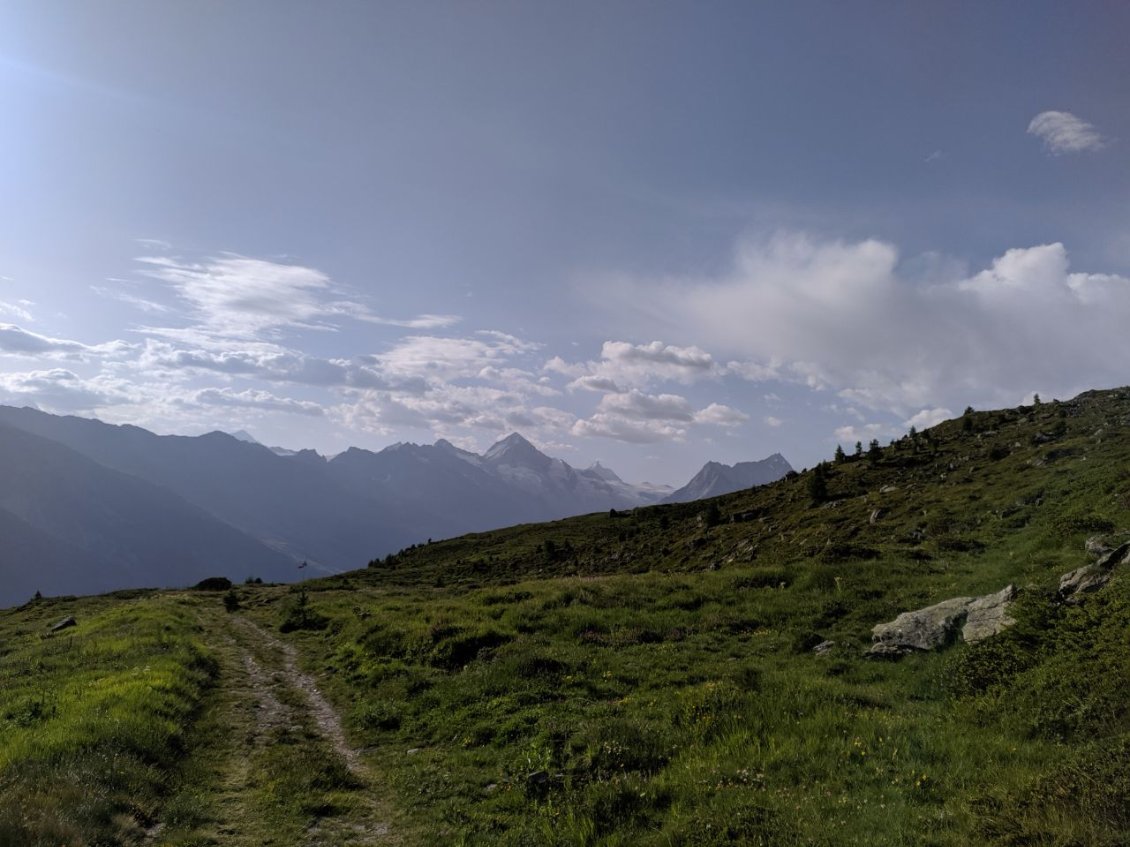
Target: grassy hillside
column 648, row 678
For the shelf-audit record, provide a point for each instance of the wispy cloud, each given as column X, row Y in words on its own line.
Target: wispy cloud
column 17, row 310
column 16, row 340
column 141, row 303
column 255, row 399
column 239, row 297
column 1063, row 132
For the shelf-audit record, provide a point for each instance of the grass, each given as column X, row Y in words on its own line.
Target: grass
column 648, row 679
column 93, row 718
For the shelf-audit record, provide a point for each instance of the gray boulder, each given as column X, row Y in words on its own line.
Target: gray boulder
column 924, row 629
column 1084, row 580
column 959, row 618
column 988, row 615
column 65, row 623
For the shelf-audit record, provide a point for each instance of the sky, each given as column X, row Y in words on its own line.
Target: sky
column 645, row 233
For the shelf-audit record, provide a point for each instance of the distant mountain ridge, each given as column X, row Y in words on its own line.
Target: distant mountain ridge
column 715, row 478
column 124, row 507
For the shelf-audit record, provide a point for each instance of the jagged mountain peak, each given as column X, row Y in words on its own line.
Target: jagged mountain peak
column 603, row 472
column 514, row 449
column 717, row 478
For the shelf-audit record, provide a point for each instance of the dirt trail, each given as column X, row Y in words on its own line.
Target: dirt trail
column 324, row 715
column 265, row 700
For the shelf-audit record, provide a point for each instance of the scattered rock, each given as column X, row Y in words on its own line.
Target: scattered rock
column 1094, row 576
column 887, row 489
column 1097, row 546
column 412, row 751
column 1082, row 581
column 65, row 623
column 978, row 618
column 875, row 515
column 988, row 615
column 823, row 648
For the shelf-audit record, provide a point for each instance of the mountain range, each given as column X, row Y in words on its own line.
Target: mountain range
column 87, row 506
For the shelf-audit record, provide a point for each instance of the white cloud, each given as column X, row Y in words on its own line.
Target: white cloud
column 864, row 434
column 254, row 399
column 17, row 341
column 62, row 390
column 640, row 418
column 440, row 358
column 272, row 363
column 240, row 297
column 623, row 365
column 841, row 316
column 720, row 415
column 426, row 321
column 772, row 421
column 928, row 418
column 639, row 406
column 233, row 296
column 1062, row 132
column 617, row 428
column 141, row 303
column 16, row 310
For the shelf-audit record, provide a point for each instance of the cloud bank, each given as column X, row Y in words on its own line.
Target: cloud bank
column 842, row 316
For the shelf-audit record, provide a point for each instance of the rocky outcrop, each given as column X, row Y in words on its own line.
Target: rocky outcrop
column 966, row 618
column 930, row 628
column 974, row 619
column 1093, row 576
column 988, row 615
column 65, row 623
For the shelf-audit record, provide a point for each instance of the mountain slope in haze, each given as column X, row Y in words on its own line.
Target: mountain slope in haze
column 291, row 504
column 72, row 525
column 298, row 506
column 715, row 478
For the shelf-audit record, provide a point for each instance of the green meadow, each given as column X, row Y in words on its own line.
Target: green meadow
column 642, row 678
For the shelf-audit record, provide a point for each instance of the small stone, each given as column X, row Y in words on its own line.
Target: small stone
column 823, row 648
column 65, row 623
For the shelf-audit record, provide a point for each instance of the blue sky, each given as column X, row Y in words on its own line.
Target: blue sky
column 646, row 233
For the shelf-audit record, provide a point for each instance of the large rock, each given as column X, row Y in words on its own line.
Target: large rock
column 925, row 629
column 1073, row 585
column 988, row 615
column 959, row 618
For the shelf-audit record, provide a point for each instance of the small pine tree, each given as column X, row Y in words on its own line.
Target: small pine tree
column 858, row 449
column 818, row 484
column 840, row 456
column 231, row 601
column 873, row 450
column 713, row 515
